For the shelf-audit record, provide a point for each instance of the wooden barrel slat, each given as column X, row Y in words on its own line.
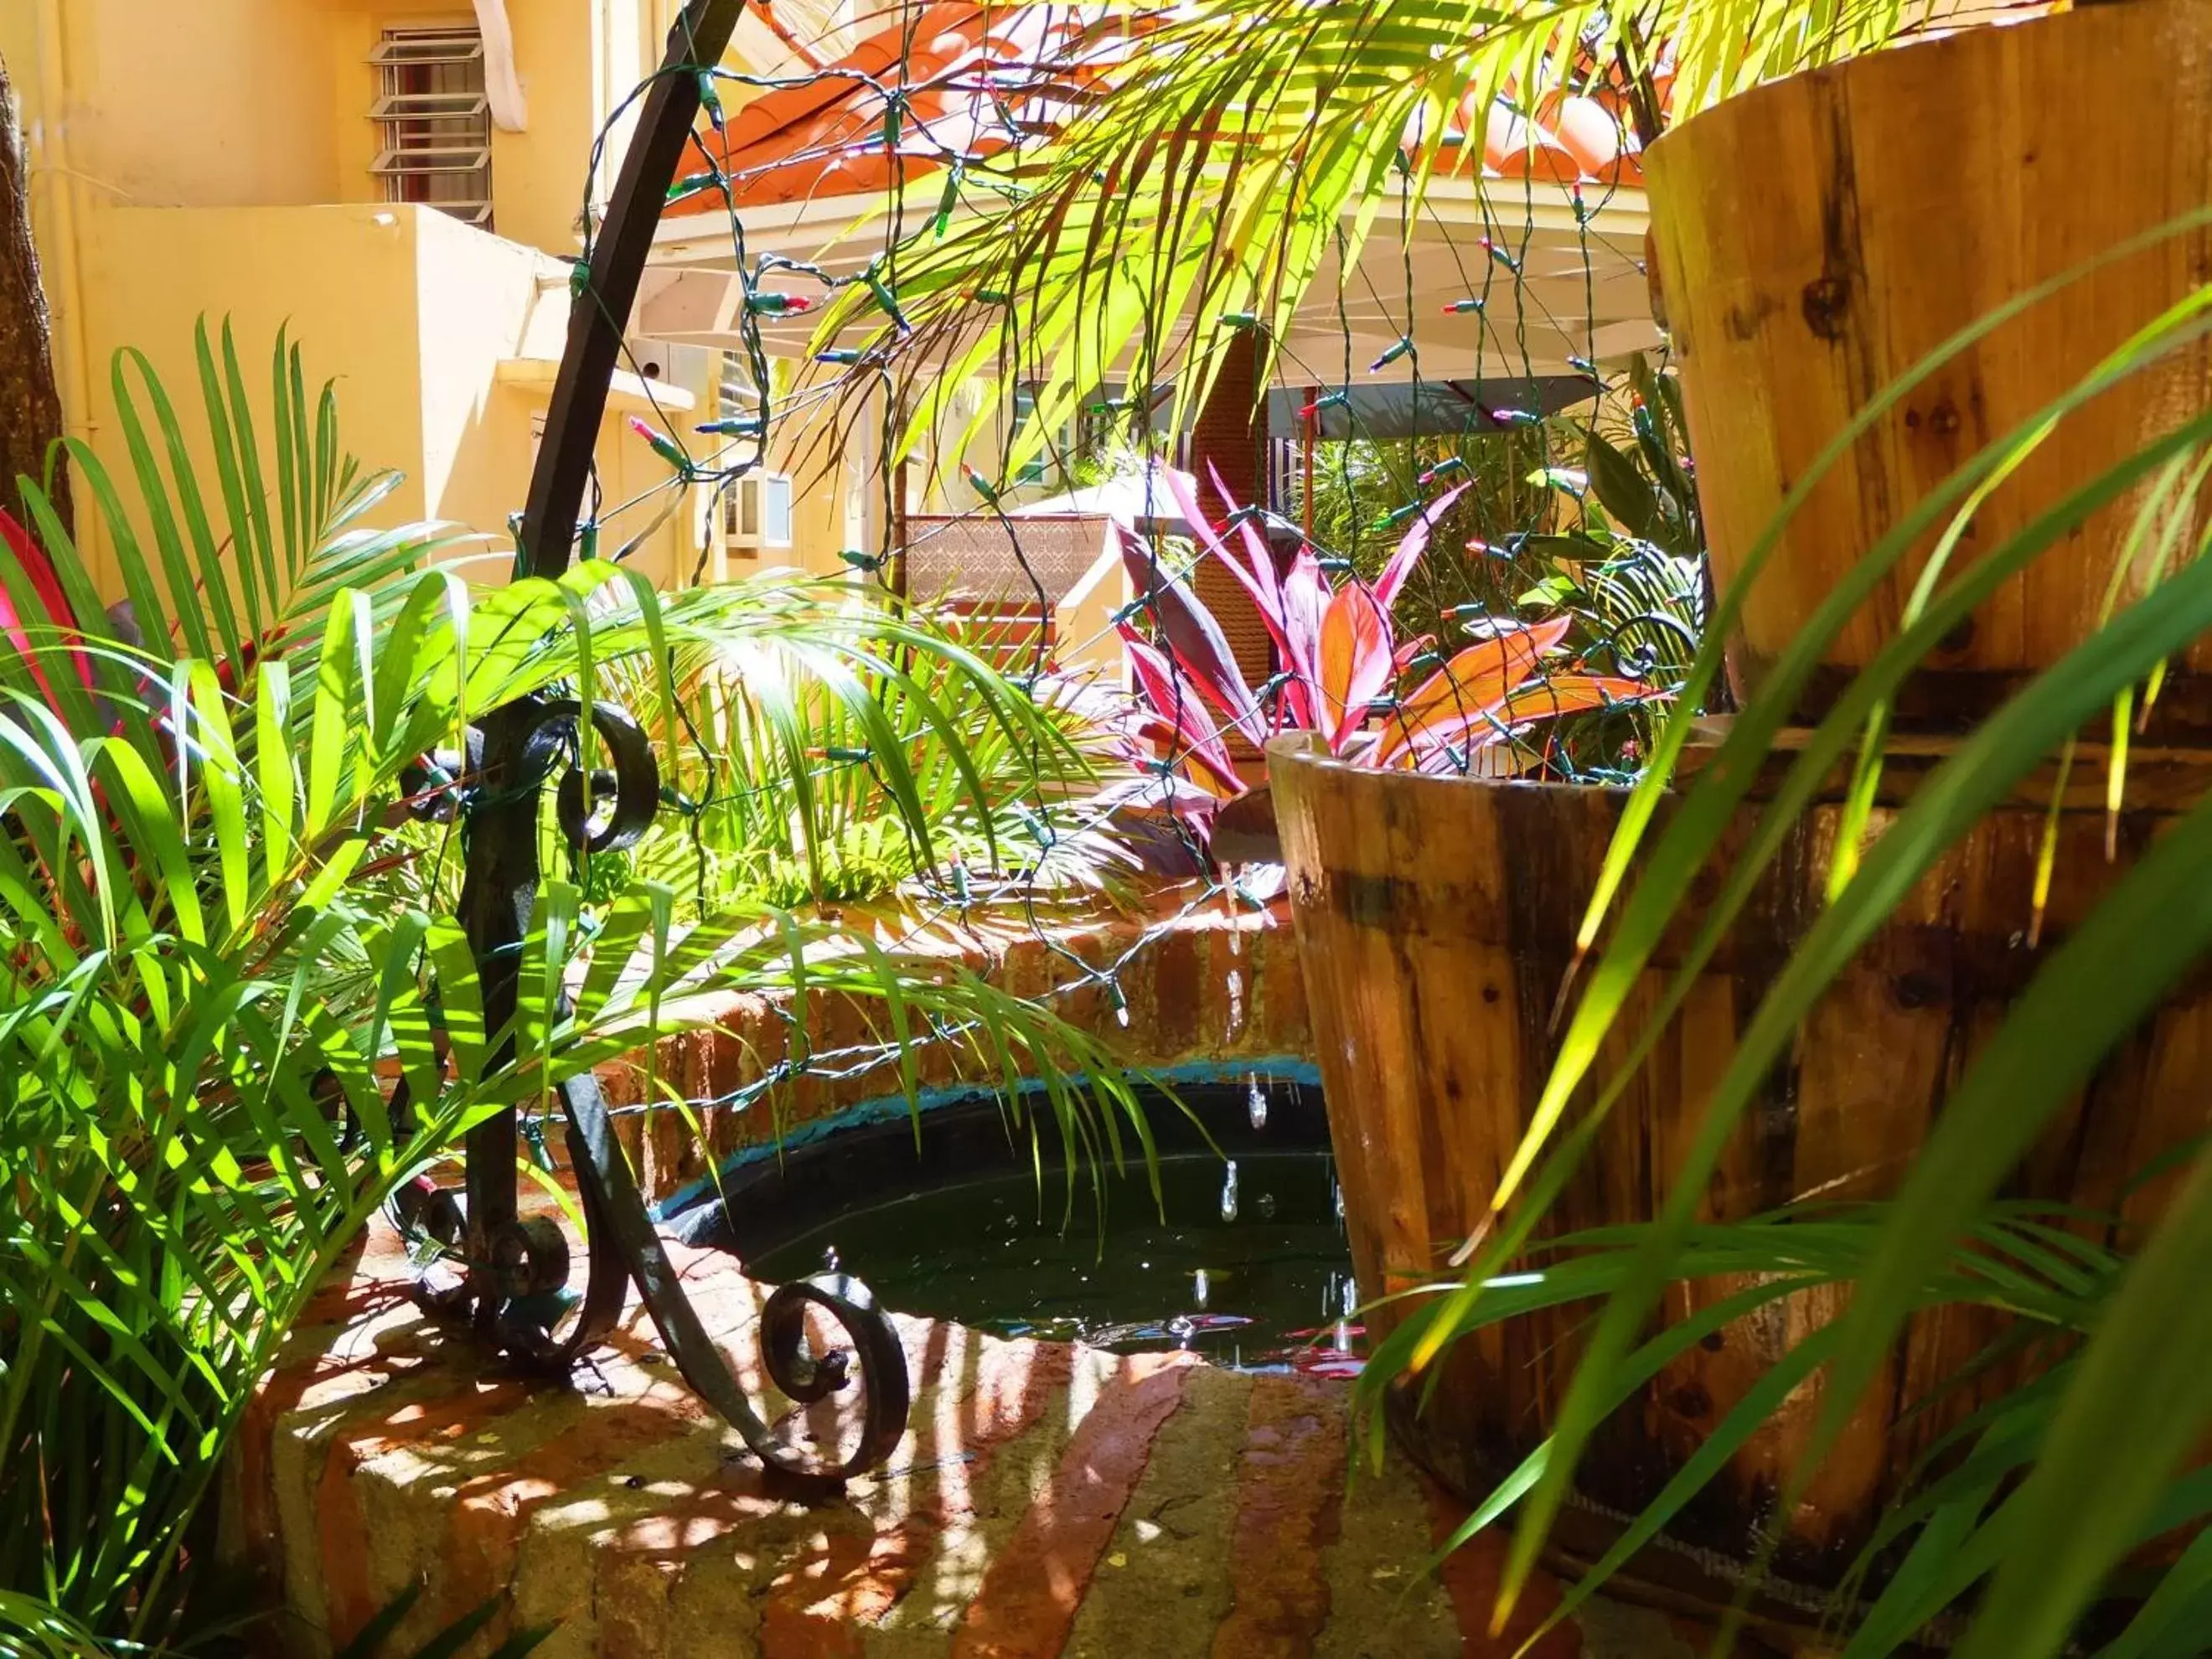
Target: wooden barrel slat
column 1818, row 236
column 1435, row 918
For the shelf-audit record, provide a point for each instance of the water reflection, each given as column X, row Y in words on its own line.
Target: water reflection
column 1246, row 1256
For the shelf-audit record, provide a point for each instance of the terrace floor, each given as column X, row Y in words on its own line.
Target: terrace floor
column 1048, row 1500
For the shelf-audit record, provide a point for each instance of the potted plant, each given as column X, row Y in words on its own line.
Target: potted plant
column 1921, row 554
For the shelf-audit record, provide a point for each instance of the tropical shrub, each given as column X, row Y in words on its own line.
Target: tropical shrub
column 787, row 792
column 225, row 930
column 1345, row 674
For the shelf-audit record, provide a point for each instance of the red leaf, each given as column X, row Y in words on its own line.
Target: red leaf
column 1256, row 546
column 1558, row 694
column 1191, row 632
column 1355, row 660
column 1305, row 602
column 39, row 570
column 1414, row 543
column 1191, row 736
column 1257, row 579
column 1477, row 679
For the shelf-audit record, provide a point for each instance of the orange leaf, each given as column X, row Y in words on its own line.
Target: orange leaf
column 1355, row 660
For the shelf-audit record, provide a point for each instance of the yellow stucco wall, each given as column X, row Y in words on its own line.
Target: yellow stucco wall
column 252, row 200
column 477, row 299
column 202, row 105
column 410, row 314
column 148, row 274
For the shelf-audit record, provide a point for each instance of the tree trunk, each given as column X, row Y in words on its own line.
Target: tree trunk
column 30, row 403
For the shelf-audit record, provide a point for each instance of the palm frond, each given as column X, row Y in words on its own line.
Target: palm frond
column 219, row 954
column 1223, row 156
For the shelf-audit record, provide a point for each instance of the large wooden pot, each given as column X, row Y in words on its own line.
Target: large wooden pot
column 1436, row 918
column 1817, row 236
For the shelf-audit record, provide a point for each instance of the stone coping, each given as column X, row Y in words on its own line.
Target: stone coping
column 1046, row 1500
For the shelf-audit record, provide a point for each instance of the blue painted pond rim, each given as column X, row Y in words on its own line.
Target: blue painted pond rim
column 885, row 1109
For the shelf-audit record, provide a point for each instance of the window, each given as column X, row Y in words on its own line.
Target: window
column 1034, row 470
column 757, row 511
column 757, row 508
column 434, row 121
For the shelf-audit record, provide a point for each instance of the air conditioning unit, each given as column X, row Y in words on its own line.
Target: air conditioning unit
column 757, row 511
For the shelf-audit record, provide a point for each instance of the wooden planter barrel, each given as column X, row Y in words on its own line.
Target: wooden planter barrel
column 1436, row 918
column 1817, row 236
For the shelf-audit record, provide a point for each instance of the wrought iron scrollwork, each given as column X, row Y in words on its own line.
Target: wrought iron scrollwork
column 516, row 1293
column 618, row 804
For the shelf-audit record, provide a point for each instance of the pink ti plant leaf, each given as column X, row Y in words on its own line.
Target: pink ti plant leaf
column 1192, row 634
column 1357, row 659
column 46, row 583
column 1410, row 546
column 1187, row 732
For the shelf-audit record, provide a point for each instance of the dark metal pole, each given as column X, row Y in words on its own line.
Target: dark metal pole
column 666, row 122
column 499, row 885
column 513, row 1264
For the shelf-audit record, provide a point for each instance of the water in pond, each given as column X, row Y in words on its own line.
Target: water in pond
column 1249, row 1267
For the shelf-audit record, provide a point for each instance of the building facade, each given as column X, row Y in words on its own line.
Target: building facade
column 402, row 187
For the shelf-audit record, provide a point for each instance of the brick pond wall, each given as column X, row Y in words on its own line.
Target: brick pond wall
column 1207, row 989
column 1046, row 1502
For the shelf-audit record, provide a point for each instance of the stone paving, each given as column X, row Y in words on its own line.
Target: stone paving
column 1048, row 1500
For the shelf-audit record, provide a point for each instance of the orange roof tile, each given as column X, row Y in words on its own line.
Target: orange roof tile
column 973, row 80
column 977, row 80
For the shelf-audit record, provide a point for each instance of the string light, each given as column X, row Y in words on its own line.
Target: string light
column 1460, row 307
column 663, row 445
column 1405, row 345
column 887, row 300
column 949, row 201
column 765, row 303
column 693, row 184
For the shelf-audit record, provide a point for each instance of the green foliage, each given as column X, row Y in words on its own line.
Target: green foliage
column 1630, row 565
column 222, row 935
column 871, row 755
column 2072, row 1473
column 1359, row 481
